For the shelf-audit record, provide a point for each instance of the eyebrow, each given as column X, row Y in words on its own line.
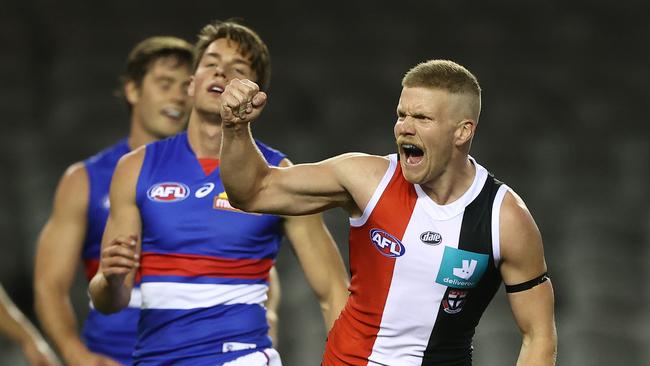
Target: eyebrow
column 238, row 60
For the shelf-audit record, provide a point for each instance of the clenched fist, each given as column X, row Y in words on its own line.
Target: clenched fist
column 242, row 102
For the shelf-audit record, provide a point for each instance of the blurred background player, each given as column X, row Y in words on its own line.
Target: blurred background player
column 154, row 85
column 15, row 325
column 204, row 266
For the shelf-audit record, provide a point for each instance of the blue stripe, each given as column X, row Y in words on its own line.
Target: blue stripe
column 211, row 280
column 113, row 335
column 196, row 336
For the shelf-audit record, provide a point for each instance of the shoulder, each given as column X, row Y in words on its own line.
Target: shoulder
column 360, row 164
column 73, row 187
column 129, row 165
column 109, row 155
column 75, row 177
column 520, row 236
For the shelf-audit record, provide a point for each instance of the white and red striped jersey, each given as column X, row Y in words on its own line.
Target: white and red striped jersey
column 422, row 274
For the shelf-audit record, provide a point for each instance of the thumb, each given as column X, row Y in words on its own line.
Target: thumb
column 226, row 112
column 259, row 99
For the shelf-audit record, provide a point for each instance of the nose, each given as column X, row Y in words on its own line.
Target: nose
column 219, row 71
column 405, row 126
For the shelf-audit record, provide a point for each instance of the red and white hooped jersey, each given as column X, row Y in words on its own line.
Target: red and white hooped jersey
column 422, row 274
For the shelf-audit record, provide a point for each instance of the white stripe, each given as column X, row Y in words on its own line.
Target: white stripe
column 174, row 295
column 496, row 210
column 406, row 325
column 359, row 221
column 134, row 302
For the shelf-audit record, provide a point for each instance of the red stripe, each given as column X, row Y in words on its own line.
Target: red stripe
column 90, row 268
column 192, row 265
column 351, row 339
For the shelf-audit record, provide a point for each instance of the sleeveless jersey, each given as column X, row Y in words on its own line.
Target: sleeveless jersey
column 422, row 274
column 113, row 335
column 205, row 265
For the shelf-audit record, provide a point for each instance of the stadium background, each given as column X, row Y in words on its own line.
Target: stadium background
column 564, row 123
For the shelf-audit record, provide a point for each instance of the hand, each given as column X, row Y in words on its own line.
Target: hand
column 242, row 102
column 39, row 353
column 119, row 258
column 87, row 358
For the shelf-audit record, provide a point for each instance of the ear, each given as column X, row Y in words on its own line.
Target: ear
column 465, row 131
column 132, row 93
column 190, row 86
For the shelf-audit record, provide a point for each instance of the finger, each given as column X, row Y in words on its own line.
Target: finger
column 252, row 87
column 259, row 99
column 120, row 252
column 127, row 241
column 119, row 263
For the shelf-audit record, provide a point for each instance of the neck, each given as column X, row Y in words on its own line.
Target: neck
column 452, row 183
column 204, row 134
column 138, row 136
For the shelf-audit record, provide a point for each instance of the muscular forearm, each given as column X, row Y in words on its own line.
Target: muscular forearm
column 238, row 150
column 108, row 298
column 540, row 350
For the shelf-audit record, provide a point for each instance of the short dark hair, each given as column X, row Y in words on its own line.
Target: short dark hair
column 143, row 55
column 250, row 45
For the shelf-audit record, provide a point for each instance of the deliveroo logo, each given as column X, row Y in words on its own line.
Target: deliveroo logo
column 461, row 269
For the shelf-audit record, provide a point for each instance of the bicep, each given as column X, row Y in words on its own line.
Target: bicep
column 522, row 261
column 61, row 239
column 341, row 181
column 522, row 251
column 124, row 215
column 302, row 189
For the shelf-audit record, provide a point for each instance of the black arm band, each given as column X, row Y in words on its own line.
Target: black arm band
column 527, row 285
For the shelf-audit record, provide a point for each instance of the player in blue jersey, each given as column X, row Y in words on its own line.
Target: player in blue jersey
column 155, row 88
column 204, row 265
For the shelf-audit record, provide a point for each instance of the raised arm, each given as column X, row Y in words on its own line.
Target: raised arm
column 15, row 325
column 252, row 185
column 530, row 293
column 57, row 258
column 110, row 289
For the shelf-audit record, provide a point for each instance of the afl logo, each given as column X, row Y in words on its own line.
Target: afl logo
column 387, row 244
column 431, row 238
column 168, row 192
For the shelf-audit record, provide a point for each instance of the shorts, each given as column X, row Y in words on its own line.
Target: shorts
column 265, row 357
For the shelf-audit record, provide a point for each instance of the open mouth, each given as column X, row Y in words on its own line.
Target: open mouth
column 414, row 155
column 172, row 113
column 215, row 89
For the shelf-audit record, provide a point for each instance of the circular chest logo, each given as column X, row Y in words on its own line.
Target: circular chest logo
column 387, row 244
column 168, row 192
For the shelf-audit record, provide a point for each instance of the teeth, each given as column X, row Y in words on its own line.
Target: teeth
column 216, row 89
column 171, row 112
